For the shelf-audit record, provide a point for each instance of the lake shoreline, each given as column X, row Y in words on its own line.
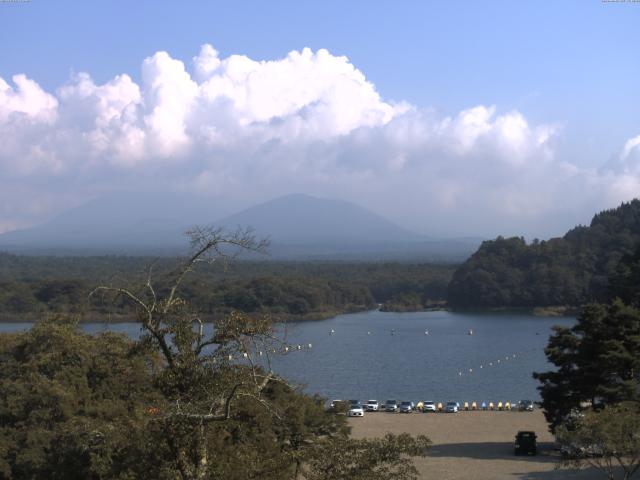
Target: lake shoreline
column 562, row 311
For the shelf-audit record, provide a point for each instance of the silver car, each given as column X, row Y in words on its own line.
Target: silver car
column 391, row 406
column 406, row 407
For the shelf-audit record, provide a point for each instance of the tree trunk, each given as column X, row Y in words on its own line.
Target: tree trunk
column 203, row 463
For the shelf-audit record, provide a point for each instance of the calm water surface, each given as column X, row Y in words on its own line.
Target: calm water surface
column 388, row 355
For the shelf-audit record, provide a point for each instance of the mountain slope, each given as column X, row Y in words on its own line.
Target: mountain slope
column 300, row 227
column 571, row 270
column 302, row 219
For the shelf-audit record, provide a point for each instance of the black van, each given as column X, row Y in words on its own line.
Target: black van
column 525, row 443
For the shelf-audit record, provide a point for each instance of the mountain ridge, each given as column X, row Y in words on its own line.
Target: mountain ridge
column 300, row 227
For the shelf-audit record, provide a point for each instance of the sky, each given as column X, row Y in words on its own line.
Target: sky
column 457, row 118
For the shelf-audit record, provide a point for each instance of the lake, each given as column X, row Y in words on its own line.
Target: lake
column 388, row 355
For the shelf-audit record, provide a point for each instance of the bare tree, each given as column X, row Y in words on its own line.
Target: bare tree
column 209, row 363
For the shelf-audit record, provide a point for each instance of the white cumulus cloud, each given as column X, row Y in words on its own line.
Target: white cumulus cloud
column 310, row 121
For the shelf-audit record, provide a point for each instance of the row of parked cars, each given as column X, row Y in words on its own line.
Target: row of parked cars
column 354, row 408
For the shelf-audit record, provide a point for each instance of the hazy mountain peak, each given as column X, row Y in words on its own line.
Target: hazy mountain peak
column 300, row 218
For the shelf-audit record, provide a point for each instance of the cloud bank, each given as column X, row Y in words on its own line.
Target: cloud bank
column 249, row 130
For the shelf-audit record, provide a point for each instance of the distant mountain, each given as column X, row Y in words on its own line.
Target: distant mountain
column 571, row 270
column 305, row 220
column 299, row 226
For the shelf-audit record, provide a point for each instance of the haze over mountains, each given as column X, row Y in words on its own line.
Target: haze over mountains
column 299, row 226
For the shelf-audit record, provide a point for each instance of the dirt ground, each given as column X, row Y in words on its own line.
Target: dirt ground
column 474, row 445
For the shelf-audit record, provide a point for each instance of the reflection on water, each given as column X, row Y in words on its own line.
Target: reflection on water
column 425, row 355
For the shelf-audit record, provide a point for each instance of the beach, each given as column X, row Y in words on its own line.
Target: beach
column 474, row 445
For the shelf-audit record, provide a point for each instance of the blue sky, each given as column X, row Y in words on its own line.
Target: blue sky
column 573, row 65
column 573, row 62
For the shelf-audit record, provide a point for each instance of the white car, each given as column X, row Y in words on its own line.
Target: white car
column 371, row 406
column 451, row 407
column 428, row 406
column 356, row 410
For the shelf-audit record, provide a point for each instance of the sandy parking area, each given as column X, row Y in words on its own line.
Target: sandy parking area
column 474, row 445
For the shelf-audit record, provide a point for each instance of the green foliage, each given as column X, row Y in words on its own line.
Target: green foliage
column 33, row 286
column 76, row 406
column 625, row 280
column 571, row 270
column 72, row 406
column 598, row 361
column 608, row 439
column 368, row 459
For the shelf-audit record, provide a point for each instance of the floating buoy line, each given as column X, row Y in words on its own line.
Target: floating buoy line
column 283, row 350
column 393, row 331
column 288, row 348
column 494, row 363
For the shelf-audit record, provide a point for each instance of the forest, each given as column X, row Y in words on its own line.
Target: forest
column 571, row 270
column 31, row 286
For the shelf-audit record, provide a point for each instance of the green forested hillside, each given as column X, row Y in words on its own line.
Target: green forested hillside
column 31, row 287
column 572, row 270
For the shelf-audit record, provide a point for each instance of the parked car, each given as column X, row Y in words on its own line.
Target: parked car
column 451, row 407
column 428, row 406
column 406, row 407
column 526, row 443
column 371, row 406
column 356, row 410
column 525, row 406
column 391, row 406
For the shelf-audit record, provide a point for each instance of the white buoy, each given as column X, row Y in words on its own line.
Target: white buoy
column 480, row 366
column 310, row 345
column 260, row 353
column 460, row 373
column 332, row 332
column 299, row 347
column 426, row 332
column 471, row 370
column 286, row 349
column 470, row 332
column 368, row 333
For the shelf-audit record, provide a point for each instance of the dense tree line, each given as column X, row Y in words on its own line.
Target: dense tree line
column 33, row 286
column 571, row 270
